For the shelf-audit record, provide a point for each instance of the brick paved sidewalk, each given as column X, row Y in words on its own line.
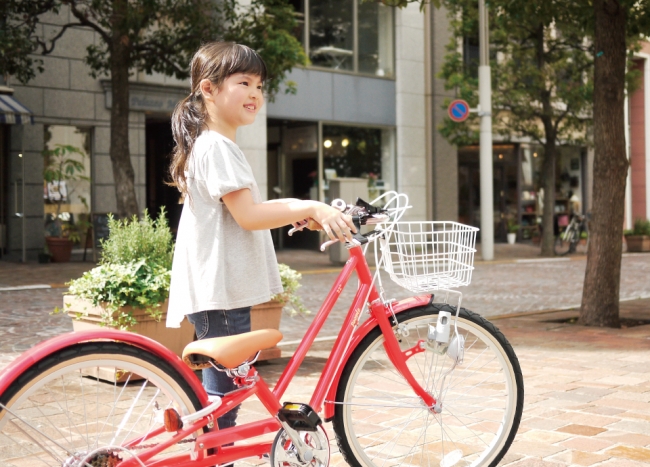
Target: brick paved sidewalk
column 587, row 399
column 587, row 390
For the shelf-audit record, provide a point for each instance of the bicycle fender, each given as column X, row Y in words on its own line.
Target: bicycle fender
column 34, row 355
column 367, row 326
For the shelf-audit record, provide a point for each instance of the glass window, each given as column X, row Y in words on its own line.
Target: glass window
column 331, row 35
column 375, row 38
column 66, row 185
column 333, row 40
column 359, row 153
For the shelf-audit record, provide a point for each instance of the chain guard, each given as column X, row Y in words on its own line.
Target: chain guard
column 285, row 454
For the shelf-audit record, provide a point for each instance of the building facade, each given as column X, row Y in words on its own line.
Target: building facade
column 637, row 200
column 365, row 108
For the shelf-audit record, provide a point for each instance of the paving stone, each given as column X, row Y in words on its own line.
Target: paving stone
column 573, row 457
column 583, row 430
column 581, row 443
column 635, row 453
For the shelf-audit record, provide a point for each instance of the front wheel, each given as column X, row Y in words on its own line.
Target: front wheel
column 379, row 421
column 88, row 403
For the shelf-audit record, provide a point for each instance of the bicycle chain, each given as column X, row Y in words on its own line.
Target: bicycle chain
column 153, row 445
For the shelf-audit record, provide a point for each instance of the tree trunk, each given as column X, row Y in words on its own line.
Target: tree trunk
column 127, row 204
column 548, row 172
column 600, row 295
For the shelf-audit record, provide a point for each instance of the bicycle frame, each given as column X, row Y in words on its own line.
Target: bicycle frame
column 323, row 396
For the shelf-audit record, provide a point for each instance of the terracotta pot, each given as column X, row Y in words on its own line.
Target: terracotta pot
column 60, row 249
column 638, row 243
column 267, row 316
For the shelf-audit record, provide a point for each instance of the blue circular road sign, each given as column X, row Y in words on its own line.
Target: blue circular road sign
column 458, row 110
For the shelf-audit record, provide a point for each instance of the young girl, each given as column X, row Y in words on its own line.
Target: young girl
column 224, row 260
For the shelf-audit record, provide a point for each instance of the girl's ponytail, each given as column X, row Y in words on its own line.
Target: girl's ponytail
column 214, row 61
column 188, row 121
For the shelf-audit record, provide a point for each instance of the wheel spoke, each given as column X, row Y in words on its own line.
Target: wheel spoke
column 51, row 414
column 477, row 397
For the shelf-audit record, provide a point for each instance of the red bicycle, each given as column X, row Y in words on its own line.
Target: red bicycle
column 410, row 382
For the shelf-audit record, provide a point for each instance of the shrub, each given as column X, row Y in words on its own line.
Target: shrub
column 135, row 270
column 641, row 227
column 140, row 284
column 130, row 240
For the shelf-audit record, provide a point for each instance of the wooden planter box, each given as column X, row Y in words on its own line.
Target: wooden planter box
column 637, row 243
column 174, row 339
column 267, row 316
column 263, row 316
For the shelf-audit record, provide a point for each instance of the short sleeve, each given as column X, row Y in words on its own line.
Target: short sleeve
column 224, row 169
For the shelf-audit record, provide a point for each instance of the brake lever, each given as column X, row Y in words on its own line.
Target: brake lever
column 301, row 226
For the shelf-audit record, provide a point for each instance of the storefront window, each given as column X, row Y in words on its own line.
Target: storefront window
column 352, row 152
column 66, row 185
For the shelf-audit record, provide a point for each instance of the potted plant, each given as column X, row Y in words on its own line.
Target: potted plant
column 513, row 229
column 638, row 239
column 128, row 290
column 130, row 287
column 268, row 315
column 62, row 165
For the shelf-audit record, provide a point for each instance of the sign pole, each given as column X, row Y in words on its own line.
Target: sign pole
column 485, row 158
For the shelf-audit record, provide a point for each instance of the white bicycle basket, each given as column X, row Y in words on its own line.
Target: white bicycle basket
column 427, row 256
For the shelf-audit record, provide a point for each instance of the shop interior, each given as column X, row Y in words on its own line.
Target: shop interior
column 304, row 157
column 518, row 192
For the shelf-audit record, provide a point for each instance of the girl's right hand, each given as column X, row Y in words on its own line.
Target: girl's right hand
column 335, row 224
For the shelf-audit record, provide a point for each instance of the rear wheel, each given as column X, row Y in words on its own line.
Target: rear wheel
column 567, row 241
column 379, row 421
column 86, row 402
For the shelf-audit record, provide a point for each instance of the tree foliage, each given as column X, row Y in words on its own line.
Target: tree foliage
column 154, row 36
column 542, row 83
column 18, row 38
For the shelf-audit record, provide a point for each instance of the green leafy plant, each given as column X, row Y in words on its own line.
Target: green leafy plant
column 513, row 227
column 138, row 284
column 64, row 163
column 135, row 270
column 291, row 283
column 131, row 240
column 641, row 227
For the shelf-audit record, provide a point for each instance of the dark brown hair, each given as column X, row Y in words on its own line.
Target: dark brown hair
column 215, row 61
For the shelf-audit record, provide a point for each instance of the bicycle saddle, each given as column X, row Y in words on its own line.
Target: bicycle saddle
column 229, row 351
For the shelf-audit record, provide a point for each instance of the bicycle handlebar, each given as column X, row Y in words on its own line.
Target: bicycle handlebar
column 364, row 213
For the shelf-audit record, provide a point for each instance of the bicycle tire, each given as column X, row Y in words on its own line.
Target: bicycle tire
column 65, row 405
column 379, row 421
column 566, row 242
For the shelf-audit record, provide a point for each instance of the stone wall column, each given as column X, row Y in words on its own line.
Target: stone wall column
column 410, row 104
column 252, row 141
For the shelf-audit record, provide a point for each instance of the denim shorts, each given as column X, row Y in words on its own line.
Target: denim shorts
column 220, row 323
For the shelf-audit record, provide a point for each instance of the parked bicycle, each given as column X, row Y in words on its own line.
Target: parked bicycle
column 568, row 239
column 412, row 382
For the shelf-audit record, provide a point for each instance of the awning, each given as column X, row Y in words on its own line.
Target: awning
column 13, row 112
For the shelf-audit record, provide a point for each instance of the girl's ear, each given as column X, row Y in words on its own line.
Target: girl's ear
column 208, row 89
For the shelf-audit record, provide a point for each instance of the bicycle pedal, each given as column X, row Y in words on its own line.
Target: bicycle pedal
column 299, row 417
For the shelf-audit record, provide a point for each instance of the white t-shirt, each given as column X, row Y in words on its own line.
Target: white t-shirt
column 217, row 264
